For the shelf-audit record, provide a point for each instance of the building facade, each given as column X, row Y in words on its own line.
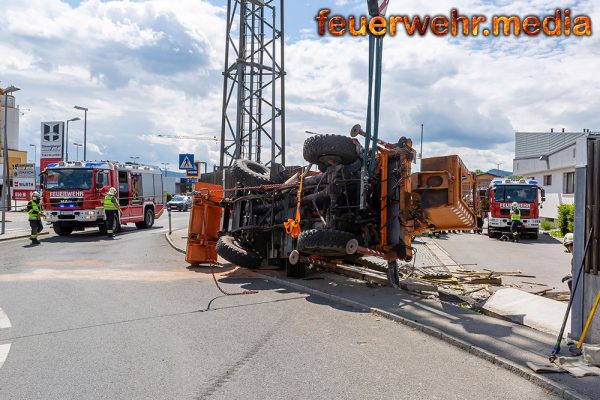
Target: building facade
column 12, row 132
column 549, row 158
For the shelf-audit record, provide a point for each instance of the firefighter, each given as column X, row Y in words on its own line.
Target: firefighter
column 111, row 210
column 35, row 213
column 515, row 217
column 568, row 243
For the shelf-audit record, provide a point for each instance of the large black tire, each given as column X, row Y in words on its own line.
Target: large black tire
column 232, row 251
column 250, row 173
column 325, row 150
column 324, row 242
column 62, row 229
column 148, row 221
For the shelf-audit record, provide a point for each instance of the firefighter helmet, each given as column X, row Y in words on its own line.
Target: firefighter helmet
column 515, row 204
column 568, row 240
column 35, row 195
column 112, row 191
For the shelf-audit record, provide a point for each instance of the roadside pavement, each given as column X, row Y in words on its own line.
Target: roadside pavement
column 544, row 258
column 502, row 342
column 17, row 226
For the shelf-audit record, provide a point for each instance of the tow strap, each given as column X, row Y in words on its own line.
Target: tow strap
column 292, row 226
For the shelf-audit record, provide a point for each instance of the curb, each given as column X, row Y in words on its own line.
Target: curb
column 523, row 372
column 170, row 241
column 23, row 236
column 556, row 388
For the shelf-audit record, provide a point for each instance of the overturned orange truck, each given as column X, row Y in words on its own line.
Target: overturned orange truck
column 348, row 204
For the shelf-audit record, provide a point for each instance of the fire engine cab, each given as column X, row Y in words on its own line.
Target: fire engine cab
column 73, row 194
column 528, row 195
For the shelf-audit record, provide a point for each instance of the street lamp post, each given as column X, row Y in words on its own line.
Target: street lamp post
column 5, row 191
column 165, row 166
column 85, row 110
column 78, row 145
column 67, row 137
column 421, row 153
column 34, row 164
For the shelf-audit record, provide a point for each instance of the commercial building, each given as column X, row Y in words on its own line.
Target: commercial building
column 549, row 158
column 14, row 155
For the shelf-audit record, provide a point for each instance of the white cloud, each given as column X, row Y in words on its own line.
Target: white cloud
column 155, row 67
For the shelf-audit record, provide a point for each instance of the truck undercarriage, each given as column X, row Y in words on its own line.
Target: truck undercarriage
column 347, row 205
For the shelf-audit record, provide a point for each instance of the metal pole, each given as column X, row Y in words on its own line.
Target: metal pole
column 282, row 81
column 67, row 143
column 169, row 211
column 421, row 166
column 84, row 135
column 5, row 159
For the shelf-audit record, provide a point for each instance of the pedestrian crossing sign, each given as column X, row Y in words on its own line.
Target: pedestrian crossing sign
column 186, row 161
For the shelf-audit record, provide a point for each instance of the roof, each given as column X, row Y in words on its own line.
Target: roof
column 536, row 144
column 498, row 173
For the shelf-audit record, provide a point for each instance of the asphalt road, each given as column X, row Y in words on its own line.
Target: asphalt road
column 544, row 258
column 87, row 318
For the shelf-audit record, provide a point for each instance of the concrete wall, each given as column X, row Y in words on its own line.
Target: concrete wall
column 591, row 289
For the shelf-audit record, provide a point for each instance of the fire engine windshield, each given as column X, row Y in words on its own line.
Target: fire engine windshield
column 520, row 194
column 69, row 179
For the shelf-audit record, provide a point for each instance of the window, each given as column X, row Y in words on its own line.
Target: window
column 69, row 179
column 547, row 180
column 510, row 193
column 569, row 179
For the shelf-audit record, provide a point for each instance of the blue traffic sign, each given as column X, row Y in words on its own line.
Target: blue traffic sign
column 186, row 161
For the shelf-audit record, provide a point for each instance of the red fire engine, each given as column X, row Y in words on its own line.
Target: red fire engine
column 73, row 194
column 501, row 195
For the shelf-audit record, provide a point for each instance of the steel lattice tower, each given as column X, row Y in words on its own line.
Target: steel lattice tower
column 253, row 120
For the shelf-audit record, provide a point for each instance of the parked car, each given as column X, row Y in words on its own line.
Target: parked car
column 180, row 203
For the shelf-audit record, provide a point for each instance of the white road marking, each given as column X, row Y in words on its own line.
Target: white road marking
column 4, row 321
column 4, row 349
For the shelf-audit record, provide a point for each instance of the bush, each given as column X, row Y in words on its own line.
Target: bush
column 169, row 197
column 566, row 215
column 547, row 225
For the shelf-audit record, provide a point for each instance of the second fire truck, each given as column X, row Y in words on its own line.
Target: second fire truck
column 73, row 194
column 527, row 194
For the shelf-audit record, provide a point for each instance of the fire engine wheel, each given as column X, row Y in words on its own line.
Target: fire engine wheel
column 324, row 242
column 62, row 229
column 148, row 221
column 250, row 173
column 232, row 251
column 325, row 150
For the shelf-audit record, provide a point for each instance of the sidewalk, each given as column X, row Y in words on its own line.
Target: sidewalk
column 502, row 342
column 17, row 226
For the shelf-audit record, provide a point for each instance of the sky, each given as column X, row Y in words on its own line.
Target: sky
column 154, row 67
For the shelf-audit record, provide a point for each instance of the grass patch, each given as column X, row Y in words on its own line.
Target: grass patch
column 556, row 233
column 547, row 225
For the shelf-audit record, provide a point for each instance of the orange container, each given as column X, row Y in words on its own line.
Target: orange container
column 205, row 221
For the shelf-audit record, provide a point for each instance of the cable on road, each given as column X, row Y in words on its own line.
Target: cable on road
column 211, row 265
